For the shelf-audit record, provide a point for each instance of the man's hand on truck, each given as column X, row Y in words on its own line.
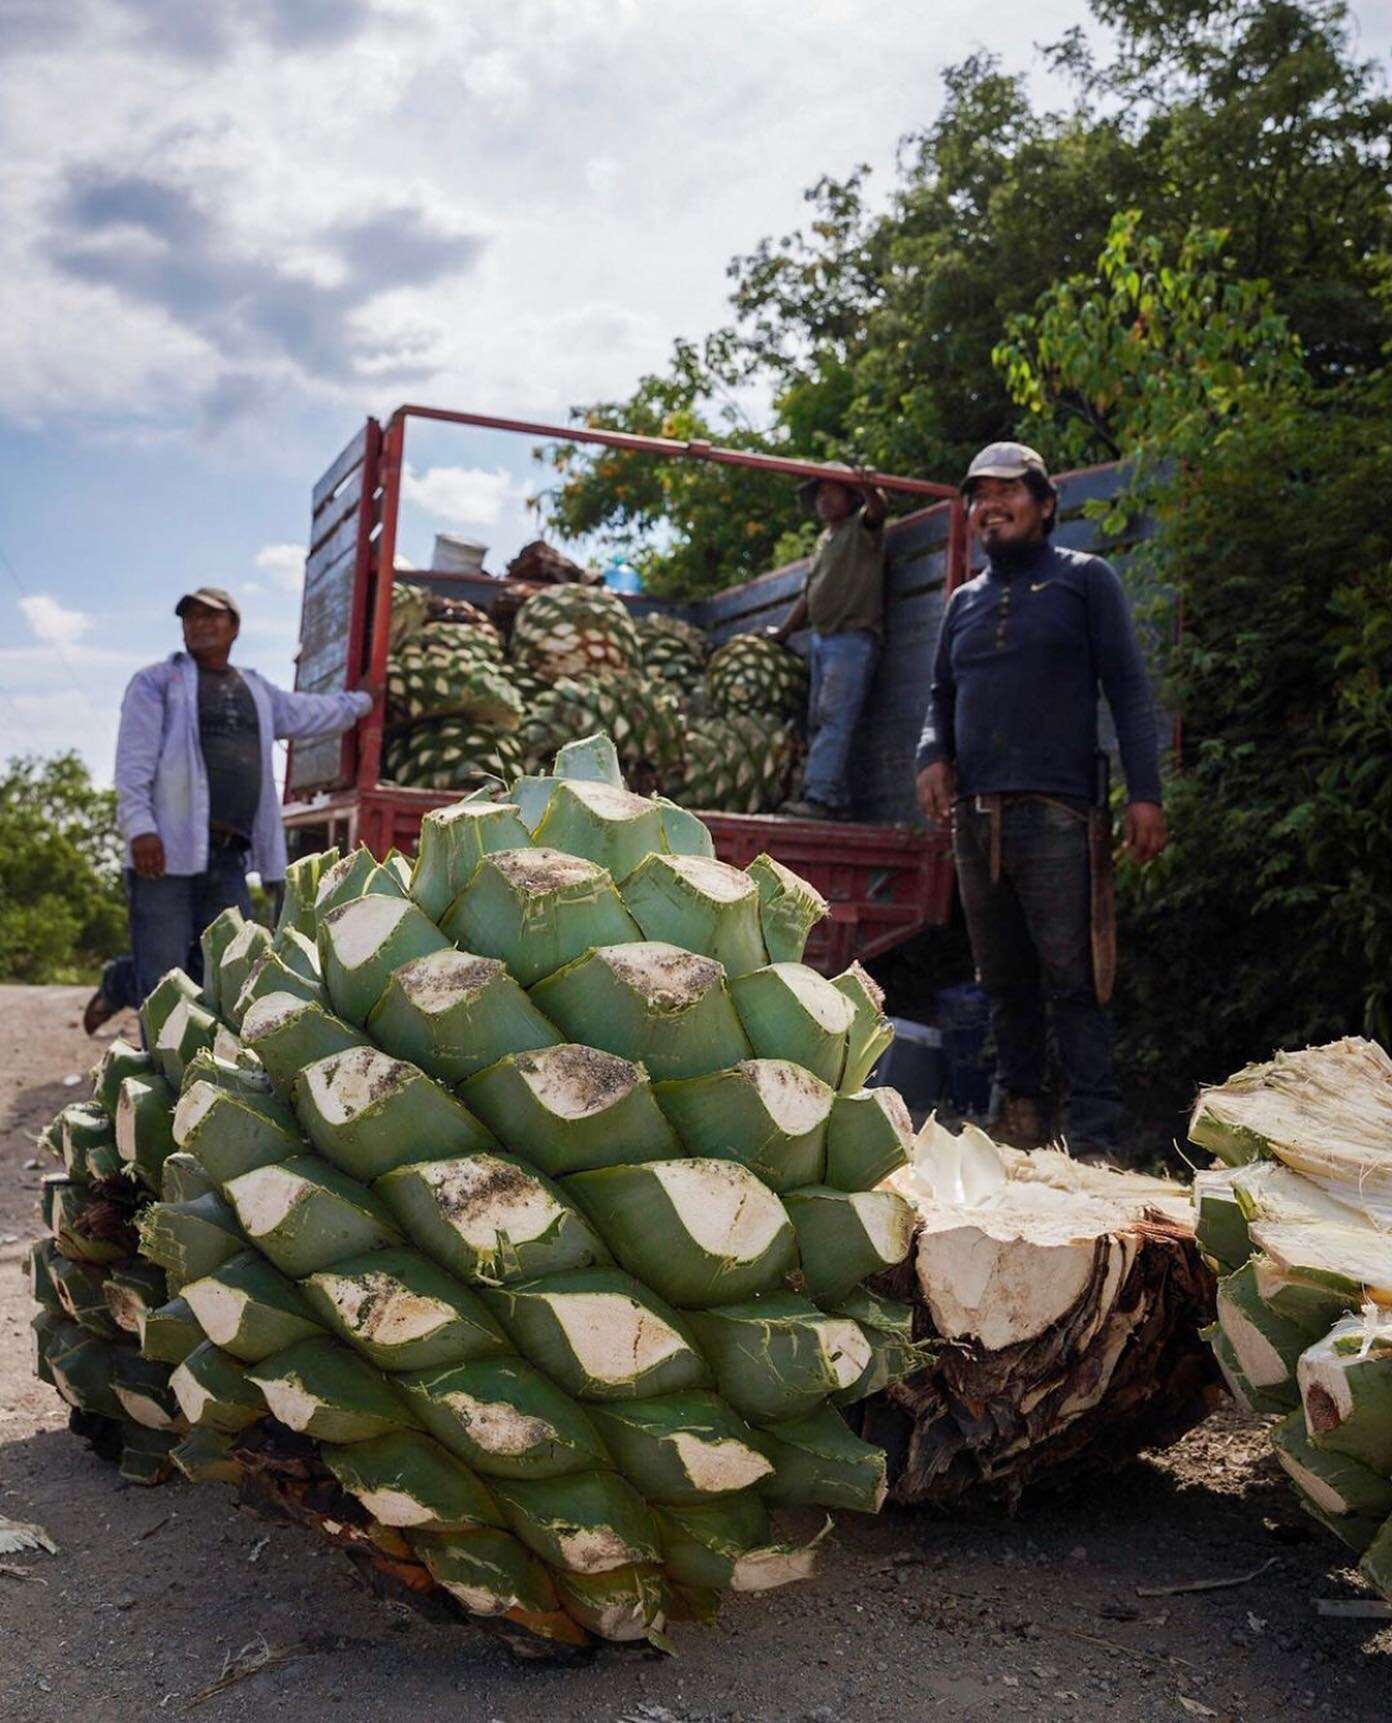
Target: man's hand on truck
column 936, row 787
column 147, row 855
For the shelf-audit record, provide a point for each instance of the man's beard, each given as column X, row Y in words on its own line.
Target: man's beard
column 1014, row 553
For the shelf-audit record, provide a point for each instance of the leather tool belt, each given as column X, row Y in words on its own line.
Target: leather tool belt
column 1102, row 890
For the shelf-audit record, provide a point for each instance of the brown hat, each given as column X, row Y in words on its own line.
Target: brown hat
column 808, row 487
column 215, row 597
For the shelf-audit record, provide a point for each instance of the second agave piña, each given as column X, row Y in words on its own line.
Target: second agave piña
column 533, row 1188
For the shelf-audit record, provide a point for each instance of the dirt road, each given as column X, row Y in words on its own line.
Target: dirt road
column 976, row 1617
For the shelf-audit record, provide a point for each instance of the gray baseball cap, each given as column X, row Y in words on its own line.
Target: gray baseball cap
column 215, row 597
column 1005, row 461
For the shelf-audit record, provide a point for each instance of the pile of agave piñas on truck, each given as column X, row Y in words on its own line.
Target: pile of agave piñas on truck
column 713, row 730
column 1299, row 1223
column 513, row 1211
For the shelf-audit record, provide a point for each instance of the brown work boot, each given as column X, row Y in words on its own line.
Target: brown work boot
column 1019, row 1123
column 98, row 1010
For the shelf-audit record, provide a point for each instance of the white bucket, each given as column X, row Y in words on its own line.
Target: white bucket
column 454, row 554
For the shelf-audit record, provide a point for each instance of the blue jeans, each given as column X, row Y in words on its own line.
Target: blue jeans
column 1031, row 937
column 167, row 919
column 842, row 666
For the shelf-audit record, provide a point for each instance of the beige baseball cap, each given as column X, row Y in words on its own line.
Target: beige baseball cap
column 215, row 597
column 1005, row 461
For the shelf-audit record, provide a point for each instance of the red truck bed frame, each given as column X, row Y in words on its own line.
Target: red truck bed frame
column 883, row 883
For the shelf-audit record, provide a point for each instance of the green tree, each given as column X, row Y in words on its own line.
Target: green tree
column 868, row 334
column 1257, row 116
column 692, row 528
column 61, row 904
column 1147, row 359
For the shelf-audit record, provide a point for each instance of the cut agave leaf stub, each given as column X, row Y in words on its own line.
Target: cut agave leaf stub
column 771, row 1114
column 454, row 1013
column 789, row 1011
column 699, row 1232
column 362, row 941
column 537, row 910
column 601, row 1335
column 651, row 1002
column 305, row 1215
column 779, row 1357
column 505, row 1418
column 490, row 1218
column 405, row 1479
column 368, row 1113
column 570, row 1108
column 701, row 904
column 402, row 1311
column 452, row 843
column 322, row 1389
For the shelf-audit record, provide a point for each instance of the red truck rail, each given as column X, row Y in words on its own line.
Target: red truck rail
column 882, row 882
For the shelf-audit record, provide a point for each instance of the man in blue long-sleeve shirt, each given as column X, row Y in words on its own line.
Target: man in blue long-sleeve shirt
column 1009, row 752
column 196, row 798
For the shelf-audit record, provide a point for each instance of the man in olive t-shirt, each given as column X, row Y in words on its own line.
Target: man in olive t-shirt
column 843, row 600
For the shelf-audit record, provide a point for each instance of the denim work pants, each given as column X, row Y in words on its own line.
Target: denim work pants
column 167, row 919
column 842, row 666
column 1031, row 938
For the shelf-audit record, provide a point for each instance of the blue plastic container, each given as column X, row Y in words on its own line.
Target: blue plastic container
column 621, row 576
column 964, row 1019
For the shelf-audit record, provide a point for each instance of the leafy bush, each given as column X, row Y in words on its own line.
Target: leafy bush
column 62, row 908
column 1269, row 922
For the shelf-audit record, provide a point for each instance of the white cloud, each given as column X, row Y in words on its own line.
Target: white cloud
column 601, row 175
column 495, row 79
column 468, row 496
column 52, row 623
column 515, row 170
column 284, row 563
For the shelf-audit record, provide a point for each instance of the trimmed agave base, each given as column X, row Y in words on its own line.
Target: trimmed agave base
column 1073, row 1297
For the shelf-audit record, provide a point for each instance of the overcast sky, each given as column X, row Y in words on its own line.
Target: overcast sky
column 223, row 244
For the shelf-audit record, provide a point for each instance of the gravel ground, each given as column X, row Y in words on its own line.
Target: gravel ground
column 979, row 1616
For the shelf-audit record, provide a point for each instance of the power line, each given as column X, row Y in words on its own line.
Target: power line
column 57, row 645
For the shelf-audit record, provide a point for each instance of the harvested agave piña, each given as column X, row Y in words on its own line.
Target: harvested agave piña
column 1298, row 1219
column 523, row 1198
